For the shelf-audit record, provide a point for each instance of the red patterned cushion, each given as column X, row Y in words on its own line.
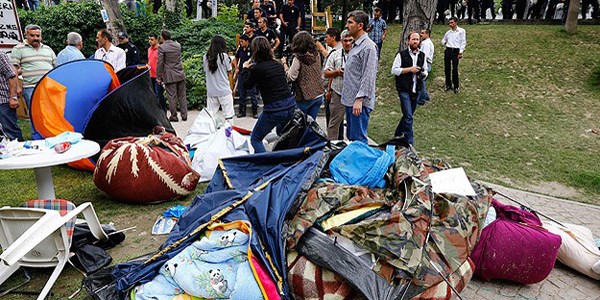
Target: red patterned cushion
column 145, row 170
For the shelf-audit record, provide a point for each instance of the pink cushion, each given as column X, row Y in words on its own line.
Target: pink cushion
column 515, row 247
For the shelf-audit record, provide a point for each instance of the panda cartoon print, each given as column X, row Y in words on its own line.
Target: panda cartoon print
column 217, row 281
column 227, row 238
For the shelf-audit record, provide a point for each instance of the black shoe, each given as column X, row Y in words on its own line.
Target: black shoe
column 255, row 112
column 241, row 112
column 173, row 119
column 456, row 90
column 447, row 88
column 184, row 118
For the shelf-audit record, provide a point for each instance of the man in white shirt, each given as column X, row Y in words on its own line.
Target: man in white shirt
column 427, row 48
column 455, row 41
column 109, row 52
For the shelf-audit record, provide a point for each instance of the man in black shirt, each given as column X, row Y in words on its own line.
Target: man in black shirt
column 290, row 21
column 251, row 16
column 132, row 55
column 271, row 12
column 265, row 31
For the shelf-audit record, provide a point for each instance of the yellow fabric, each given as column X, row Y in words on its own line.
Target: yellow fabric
column 343, row 218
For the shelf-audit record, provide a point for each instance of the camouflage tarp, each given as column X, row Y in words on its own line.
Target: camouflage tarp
column 415, row 227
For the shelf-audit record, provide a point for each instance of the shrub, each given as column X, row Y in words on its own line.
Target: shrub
column 58, row 20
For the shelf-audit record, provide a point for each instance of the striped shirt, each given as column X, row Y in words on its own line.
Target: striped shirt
column 34, row 63
column 6, row 72
column 360, row 73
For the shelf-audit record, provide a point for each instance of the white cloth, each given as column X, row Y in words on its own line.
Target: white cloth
column 428, row 48
column 115, row 56
column 225, row 102
column 455, row 39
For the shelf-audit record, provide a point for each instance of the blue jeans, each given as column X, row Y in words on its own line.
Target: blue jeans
column 34, row 4
column 356, row 126
column 379, row 45
column 159, row 91
column 27, row 93
column 8, row 119
column 408, row 104
column 266, row 122
column 311, row 107
column 244, row 93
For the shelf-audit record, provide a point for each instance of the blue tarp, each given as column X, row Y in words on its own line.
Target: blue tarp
column 263, row 188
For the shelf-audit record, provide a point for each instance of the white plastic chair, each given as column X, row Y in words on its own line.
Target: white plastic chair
column 34, row 237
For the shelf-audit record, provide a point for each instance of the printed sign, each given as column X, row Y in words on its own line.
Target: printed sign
column 104, row 15
column 10, row 30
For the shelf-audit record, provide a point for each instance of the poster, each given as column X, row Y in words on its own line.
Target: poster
column 10, row 30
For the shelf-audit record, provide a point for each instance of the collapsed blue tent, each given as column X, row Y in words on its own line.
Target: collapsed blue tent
column 88, row 97
column 261, row 189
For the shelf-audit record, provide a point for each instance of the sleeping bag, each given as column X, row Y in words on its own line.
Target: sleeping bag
column 515, row 247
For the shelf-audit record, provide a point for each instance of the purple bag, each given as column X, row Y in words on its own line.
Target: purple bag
column 515, row 247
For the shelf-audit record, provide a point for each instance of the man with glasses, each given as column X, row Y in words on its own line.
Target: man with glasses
column 32, row 59
column 455, row 41
column 109, row 52
column 334, row 70
column 132, row 55
column 264, row 30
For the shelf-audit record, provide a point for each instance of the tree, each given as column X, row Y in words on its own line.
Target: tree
column 418, row 15
column 572, row 15
column 115, row 19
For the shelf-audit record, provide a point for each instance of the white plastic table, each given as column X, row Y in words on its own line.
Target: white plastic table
column 42, row 163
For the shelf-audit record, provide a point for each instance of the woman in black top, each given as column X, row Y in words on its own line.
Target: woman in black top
column 264, row 72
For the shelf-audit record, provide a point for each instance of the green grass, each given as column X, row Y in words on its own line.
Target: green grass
column 527, row 102
column 528, row 97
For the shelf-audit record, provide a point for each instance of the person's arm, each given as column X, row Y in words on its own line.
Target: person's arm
column 321, row 49
column 276, row 42
column 299, row 21
column 160, row 68
column 53, row 58
column 283, row 22
column 121, row 62
column 445, row 39
column 292, row 73
column 369, row 26
column 396, row 66
column 13, row 85
column 367, row 82
column 329, row 71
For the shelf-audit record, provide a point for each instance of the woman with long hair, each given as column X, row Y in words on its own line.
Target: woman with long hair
column 217, row 65
column 305, row 71
column 264, row 72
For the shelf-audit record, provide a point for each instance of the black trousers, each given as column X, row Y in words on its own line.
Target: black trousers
column 451, row 67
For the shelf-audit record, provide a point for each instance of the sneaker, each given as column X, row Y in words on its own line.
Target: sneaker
column 456, row 90
column 184, row 118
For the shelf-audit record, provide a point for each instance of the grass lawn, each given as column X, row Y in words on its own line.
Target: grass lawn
column 524, row 113
column 522, row 119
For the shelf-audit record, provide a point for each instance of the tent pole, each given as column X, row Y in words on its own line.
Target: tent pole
column 529, row 208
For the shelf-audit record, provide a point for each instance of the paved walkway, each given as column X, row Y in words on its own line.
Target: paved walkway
column 563, row 283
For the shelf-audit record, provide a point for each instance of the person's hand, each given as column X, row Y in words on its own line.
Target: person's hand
column 298, row 27
column 339, row 72
column 13, row 103
column 19, row 90
column 415, row 69
column 460, row 56
column 284, row 61
column 357, row 107
column 328, row 96
column 248, row 64
column 158, row 81
column 284, row 23
column 383, row 38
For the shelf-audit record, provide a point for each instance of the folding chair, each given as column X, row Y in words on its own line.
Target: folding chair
column 41, row 238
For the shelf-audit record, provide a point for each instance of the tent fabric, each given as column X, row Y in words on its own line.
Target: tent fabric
column 300, row 131
column 578, row 249
column 271, row 190
column 86, row 96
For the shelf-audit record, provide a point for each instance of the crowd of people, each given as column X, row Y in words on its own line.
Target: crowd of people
column 32, row 59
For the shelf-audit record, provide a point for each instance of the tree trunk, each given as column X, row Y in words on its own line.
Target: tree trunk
column 115, row 19
column 572, row 15
column 344, row 14
column 418, row 15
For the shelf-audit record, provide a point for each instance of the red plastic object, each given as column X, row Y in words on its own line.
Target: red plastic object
column 62, row 147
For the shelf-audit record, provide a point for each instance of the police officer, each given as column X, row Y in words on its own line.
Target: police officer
column 132, row 55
